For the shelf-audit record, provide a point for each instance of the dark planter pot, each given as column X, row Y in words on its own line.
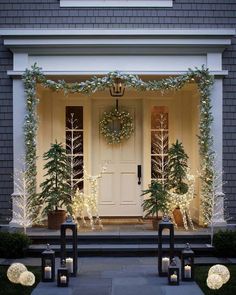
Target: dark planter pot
column 178, row 217
column 56, row 218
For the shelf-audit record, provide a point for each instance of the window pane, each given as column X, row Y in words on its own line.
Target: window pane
column 74, row 117
column 74, row 144
column 159, row 118
column 159, row 142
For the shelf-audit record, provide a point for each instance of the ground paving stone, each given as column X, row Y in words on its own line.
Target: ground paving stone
column 118, row 276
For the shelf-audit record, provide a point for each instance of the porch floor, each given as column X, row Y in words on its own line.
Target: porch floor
column 119, row 227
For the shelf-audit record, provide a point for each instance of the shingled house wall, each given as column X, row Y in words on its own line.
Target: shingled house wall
column 183, row 14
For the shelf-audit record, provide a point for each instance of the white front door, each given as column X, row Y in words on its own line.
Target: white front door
column 119, row 188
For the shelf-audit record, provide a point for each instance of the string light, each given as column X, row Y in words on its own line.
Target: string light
column 204, row 83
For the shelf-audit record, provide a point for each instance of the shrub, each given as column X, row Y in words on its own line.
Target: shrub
column 225, row 243
column 13, row 245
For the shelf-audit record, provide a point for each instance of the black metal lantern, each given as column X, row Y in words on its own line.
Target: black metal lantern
column 62, row 276
column 187, row 264
column 48, row 265
column 117, row 89
column 70, row 261
column 173, row 273
column 164, row 257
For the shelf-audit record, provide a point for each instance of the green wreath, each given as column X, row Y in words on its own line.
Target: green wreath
column 116, row 126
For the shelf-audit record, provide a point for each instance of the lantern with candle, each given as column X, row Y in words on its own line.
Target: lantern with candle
column 62, row 275
column 48, row 265
column 164, row 258
column 70, row 259
column 187, row 264
column 173, row 273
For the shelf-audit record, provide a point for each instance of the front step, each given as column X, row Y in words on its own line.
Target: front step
column 132, row 244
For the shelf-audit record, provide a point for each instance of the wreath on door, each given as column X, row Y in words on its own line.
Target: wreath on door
column 116, row 126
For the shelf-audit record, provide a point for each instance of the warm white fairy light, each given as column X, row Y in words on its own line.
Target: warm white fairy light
column 183, row 202
column 214, row 282
column 220, row 270
column 204, row 83
column 14, row 271
column 88, row 203
column 27, row 278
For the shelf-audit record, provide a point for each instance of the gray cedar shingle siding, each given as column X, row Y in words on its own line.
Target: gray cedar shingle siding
column 184, row 14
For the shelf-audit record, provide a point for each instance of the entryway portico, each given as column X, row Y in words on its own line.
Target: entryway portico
column 151, row 52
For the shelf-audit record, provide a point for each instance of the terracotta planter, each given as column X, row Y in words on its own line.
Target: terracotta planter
column 155, row 222
column 56, row 218
column 178, row 217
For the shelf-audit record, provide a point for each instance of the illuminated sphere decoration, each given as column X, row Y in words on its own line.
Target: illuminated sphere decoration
column 220, row 270
column 27, row 278
column 14, row 271
column 214, row 282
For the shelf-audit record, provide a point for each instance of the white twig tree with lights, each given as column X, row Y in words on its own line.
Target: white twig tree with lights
column 73, row 144
column 23, row 215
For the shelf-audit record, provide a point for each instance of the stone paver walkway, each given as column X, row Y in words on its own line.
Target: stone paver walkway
column 118, row 276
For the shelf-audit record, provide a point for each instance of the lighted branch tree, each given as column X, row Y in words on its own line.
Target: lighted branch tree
column 204, row 83
column 216, row 204
column 73, row 144
column 160, row 149
column 22, row 214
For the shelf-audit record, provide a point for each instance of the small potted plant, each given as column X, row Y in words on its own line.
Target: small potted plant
column 156, row 201
column 55, row 189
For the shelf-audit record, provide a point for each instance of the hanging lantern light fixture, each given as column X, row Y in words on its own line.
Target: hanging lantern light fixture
column 118, row 88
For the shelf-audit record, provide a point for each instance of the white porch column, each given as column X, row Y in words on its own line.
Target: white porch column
column 19, row 112
column 217, row 132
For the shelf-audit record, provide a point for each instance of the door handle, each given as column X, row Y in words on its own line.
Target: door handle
column 139, row 170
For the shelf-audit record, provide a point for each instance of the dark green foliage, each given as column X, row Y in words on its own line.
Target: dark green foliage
column 225, row 243
column 8, row 288
column 229, row 288
column 55, row 189
column 13, row 245
column 177, row 168
column 156, row 201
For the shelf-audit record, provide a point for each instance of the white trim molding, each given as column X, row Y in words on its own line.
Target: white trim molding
column 116, row 3
column 114, row 41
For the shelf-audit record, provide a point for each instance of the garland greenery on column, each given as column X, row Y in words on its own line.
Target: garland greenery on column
column 204, row 83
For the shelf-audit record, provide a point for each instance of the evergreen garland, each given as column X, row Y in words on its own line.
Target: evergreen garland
column 204, row 83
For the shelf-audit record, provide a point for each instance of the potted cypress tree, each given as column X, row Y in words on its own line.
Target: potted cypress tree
column 155, row 202
column 177, row 172
column 55, row 189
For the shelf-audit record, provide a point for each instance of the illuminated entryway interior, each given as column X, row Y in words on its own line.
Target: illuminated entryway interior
column 119, row 188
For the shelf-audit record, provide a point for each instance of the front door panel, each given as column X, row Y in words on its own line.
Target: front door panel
column 119, row 189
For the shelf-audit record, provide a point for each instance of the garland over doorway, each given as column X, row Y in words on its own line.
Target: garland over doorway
column 201, row 77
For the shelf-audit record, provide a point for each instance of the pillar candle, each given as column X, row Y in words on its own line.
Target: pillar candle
column 165, row 264
column 187, row 271
column 173, row 278
column 69, row 264
column 48, row 272
column 63, row 279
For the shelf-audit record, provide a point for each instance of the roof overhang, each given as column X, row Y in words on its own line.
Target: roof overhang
column 132, row 41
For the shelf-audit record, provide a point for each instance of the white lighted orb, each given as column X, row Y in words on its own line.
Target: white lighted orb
column 214, row 282
column 27, row 278
column 14, row 271
column 220, row 270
